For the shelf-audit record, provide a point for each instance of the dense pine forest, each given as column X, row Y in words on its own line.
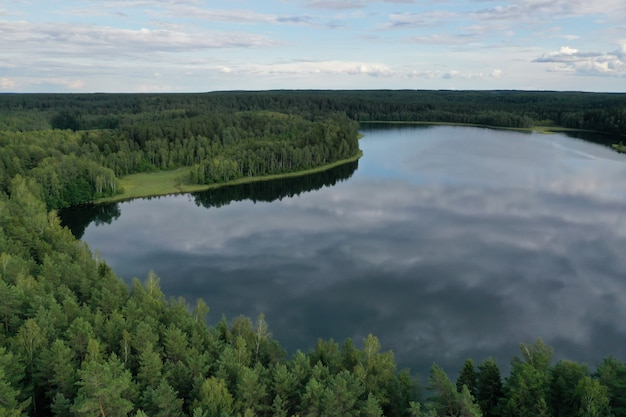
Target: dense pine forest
column 76, row 146
column 86, row 145
column 76, row 341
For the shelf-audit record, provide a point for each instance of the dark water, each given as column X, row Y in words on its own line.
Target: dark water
column 445, row 242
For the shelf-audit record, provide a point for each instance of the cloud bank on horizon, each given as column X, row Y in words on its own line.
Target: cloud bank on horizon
column 206, row 45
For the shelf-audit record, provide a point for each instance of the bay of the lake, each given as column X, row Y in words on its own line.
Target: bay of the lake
column 445, row 243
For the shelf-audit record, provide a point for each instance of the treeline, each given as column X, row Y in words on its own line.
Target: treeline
column 77, row 145
column 55, row 160
column 80, row 158
column 75, row 341
column 267, row 191
column 602, row 112
column 78, row 218
column 275, row 147
column 76, row 167
column 534, row 388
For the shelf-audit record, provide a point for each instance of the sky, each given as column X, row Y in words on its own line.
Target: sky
column 205, row 45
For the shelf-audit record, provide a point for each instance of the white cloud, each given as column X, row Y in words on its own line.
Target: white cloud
column 235, row 16
column 85, row 40
column 413, row 20
column 572, row 60
column 446, row 39
column 6, row 83
column 72, row 84
column 335, row 5
column 497, row 73
column 88, row 11
column 322, row 69
column 421, row 74
column 565, row 53
column 144, row 3
column 313, row 68
column 524, row 10
column 10, row 12
column 400, row 43
column 348, row 4
column 153, row 88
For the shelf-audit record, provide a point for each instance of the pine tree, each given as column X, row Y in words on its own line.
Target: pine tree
column 371, row 407
column 214, row 399
column 9, row 404
column 105, row 388
column 468, row 377
column 162, row 401
column 489, row 387
column 446, row 400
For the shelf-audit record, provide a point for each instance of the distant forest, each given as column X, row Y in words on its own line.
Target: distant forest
column 76, row 146
column 76, row 341
column 602, row 112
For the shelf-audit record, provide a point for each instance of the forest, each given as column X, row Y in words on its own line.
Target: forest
column 75, row 340
column 78, row 166
column 78, row 218
column 76, row 146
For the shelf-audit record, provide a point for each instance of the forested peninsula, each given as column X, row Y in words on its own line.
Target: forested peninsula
column 75, row 340
column 78, row 146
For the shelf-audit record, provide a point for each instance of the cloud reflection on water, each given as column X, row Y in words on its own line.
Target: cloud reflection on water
column 441, row 264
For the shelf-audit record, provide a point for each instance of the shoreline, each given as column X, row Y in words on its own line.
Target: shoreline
column 161, row 183
column 619, row 147
column 170, row 182
column 538, row 128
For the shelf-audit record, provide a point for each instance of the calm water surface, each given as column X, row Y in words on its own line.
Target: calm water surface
column 446, row 243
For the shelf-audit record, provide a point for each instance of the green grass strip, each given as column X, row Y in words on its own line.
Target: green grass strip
column 619, row 147
column 153, row 184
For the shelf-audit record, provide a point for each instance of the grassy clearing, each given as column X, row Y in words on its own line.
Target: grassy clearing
column 620, row 147
column 173, row 182
column 151, row 184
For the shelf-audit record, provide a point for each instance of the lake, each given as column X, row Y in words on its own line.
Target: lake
column 445, row 242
